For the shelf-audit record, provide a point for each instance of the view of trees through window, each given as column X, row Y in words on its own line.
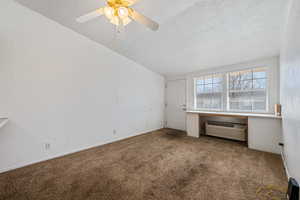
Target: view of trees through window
column 247, row 90
column 234, row 91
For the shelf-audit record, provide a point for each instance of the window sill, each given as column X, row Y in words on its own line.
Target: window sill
column 269, row 115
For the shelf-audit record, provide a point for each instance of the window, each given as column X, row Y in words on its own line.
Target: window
column 247, row 90
column 209, row 92
column 233, row 91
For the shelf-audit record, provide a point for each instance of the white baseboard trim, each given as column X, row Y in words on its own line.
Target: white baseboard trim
column 285, row 164
column 24, row 164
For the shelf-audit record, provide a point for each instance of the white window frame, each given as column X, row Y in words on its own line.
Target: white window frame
column 225, row 97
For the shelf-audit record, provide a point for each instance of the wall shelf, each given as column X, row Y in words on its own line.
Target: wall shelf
column 3, row 121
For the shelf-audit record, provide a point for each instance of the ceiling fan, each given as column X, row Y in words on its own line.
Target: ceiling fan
column 119, row 13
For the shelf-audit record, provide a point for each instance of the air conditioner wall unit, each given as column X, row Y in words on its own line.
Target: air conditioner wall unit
column 226, row 130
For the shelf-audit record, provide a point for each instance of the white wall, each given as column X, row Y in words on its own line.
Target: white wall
column 264, row 134
column 290, row 89
column 59, row 87
column 271, row 63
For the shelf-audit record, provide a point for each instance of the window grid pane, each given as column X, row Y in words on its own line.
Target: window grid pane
column 209, row 92
column 247, row 90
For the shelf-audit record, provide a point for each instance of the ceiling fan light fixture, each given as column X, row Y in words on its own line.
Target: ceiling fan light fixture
column 119, row 12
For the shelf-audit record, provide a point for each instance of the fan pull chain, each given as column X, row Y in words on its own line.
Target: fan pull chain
column 120, row 30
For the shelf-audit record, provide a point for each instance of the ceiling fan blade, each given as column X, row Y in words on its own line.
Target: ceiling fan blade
column 144, row 20
column 90, row 16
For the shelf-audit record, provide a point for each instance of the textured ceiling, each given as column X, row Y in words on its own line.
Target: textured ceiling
column 193, row 34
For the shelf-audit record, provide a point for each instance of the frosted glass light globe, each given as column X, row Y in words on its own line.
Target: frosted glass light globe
column 109, row 12
column 123, row 12
column 115, row 20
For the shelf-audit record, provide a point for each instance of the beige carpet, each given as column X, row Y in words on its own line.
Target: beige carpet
column 164, row 165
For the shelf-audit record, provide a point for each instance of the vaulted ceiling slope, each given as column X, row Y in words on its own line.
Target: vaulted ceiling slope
column 193, row 34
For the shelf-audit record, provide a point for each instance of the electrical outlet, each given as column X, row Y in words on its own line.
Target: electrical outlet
column 47, row 146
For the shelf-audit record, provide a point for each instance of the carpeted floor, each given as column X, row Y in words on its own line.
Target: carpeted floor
column 162, row 165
